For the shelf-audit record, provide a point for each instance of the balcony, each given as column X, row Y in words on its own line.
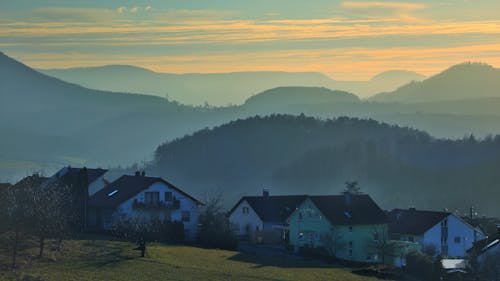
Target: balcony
column 156, row 206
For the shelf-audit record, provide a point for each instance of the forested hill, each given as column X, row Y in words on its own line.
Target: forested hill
column 400, row 167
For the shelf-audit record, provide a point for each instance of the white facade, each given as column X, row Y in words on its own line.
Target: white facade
column 187, row 212
column 244, row 219
column 451, row 237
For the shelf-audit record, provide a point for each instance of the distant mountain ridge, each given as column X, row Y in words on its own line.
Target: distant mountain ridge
column 46, row 122
column 219, row 89
column 462, row 81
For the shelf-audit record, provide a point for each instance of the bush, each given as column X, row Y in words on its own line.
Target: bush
column 424, row 266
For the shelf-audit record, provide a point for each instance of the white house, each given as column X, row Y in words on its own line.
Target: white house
column 95, row 178
column 254, row 213
column 446, row 233
column 148, row 198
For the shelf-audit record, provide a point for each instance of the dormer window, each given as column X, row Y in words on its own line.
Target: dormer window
column 112, row 193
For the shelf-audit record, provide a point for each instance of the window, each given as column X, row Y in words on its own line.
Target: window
column 350, row 248
column 350, row 228
column 168, row 196
column 186, row 216
column 458, row 239
column 245, row 210
column 301, row 235
column 411, row 238
column 375, row 236
column 316, row 236
column 300, row 215
column 350, row 253
column 152, row 197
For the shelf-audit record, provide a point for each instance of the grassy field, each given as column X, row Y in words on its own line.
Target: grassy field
column 111, row 260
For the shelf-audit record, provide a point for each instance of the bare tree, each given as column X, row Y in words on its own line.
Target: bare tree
column 352, row 187
column 381, row 244
column 16, row 217
column 50, row 212
column 333, row 242
column 135, row 229
column 215, row 230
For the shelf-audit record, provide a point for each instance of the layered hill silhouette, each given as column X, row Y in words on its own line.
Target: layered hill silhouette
column 46, row 122
column 302, row 155
column 219, row 89
column 463, row 81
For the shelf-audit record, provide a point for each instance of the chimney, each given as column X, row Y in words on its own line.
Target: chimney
column 137, row 173
column 347, row 198
column 143, row 173
column 265, row 192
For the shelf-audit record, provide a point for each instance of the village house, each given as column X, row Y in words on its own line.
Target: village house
column 265, row 215
column 350, row 226
column 437, row 233
column 146, row 198
column 92, row 178
column 486, row 249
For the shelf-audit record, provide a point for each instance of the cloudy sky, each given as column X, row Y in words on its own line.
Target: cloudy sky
column 348, row 40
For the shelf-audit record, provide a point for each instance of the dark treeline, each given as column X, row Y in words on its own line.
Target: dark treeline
column 400, row 167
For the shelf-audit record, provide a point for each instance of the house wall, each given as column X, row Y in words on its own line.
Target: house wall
column 186, row 204
column 459, row 239
column 96, row 185
column 312, row 230
column 245, row 223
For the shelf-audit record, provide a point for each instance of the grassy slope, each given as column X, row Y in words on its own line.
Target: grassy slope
column 105, row 260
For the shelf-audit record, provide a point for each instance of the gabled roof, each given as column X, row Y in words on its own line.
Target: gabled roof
column 92, row 174
column 357, row 209
column 125, row 188
column 484, row 245
column 416, row 222
column 272, row 208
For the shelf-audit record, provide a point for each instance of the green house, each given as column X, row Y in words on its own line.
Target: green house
column 348, row 226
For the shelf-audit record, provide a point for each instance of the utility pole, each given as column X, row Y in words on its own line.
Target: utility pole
column 474, row 254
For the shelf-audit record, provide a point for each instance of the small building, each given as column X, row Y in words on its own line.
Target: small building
column 486, row 249
column 350, row 227
column 143, row 197
column 438, row 233
column 93, row 178
column 266, row 213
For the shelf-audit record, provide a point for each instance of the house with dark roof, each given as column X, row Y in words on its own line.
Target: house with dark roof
column 146, row 198
column 486, row 249
column 348, row 226
column 263, row 213
column 438, row 232
column 92, row 178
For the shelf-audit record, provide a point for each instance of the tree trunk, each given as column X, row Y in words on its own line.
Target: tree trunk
column 143, row 248
column 41, row 245
column 14, row 250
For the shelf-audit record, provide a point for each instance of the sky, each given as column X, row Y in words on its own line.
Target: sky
column 347, row 40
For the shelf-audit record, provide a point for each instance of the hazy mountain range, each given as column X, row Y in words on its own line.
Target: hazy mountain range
column 46, row 122
column 218, row 89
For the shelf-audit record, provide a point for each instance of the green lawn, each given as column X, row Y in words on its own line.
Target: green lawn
column 111, row 260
